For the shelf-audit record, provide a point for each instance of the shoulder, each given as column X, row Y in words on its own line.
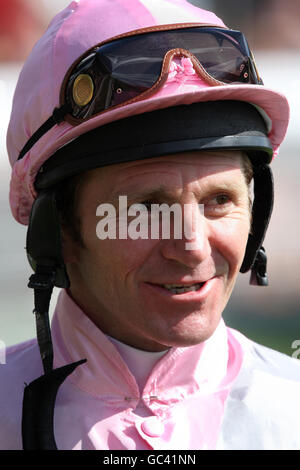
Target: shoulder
column 263, row 406
column 20, row 364
column 269, row 373
column 262, row 359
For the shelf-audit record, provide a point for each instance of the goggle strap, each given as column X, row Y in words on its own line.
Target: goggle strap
column 56, row 118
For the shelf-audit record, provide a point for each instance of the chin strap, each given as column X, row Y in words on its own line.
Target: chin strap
column 42, row 281
column 39, row 395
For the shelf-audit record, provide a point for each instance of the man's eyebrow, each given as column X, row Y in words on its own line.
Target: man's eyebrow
column 162, row 193
column 158, row 194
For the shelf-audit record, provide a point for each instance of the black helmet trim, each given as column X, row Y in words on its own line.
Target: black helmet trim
column 51, row 174
column 200, row 126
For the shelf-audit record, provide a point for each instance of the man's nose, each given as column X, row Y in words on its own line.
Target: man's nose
column 192, row 247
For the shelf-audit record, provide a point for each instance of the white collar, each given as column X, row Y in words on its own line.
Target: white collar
column 139, row 362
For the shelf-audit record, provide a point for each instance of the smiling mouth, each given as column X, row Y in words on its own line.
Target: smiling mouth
column 181, row 289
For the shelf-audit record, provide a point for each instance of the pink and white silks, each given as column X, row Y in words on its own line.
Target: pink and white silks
column 225, row 393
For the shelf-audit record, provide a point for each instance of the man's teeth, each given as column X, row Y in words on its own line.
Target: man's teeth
column 176, row 289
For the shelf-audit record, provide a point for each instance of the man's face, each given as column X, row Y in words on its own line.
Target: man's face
column 126, row 286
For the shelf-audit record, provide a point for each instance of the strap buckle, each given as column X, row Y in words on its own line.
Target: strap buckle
column 42, row 280
column 259, row 276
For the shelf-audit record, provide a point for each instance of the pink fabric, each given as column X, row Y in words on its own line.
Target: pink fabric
column 181, row 405
column 99, row 406
column 79, row 27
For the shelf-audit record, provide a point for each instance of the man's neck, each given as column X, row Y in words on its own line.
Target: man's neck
column 139, row 362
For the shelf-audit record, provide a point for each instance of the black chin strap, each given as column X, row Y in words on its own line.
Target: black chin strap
column 39, row 395
column 43, row 282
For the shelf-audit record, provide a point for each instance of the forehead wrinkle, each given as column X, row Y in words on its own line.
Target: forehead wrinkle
column 206, row 161
column 136, row 179
column 221, row 178
column 124, row 170
column 219, row 167
column 150, row 171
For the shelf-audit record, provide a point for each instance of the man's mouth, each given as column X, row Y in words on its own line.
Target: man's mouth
column 181, row 289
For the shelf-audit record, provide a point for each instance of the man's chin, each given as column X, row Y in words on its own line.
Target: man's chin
column 189, row 334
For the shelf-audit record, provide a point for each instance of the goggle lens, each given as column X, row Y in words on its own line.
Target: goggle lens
column 122, row 69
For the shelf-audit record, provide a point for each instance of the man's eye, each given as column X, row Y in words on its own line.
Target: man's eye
column 217, row 205
column 221, row 199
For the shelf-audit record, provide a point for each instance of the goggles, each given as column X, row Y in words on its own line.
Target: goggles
column 118, row 71
column 134, row 65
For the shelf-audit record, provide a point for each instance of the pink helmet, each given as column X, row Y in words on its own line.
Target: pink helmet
column 78, row 28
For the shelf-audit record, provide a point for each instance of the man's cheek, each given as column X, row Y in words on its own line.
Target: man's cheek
column 231, row 245
column 133, row 253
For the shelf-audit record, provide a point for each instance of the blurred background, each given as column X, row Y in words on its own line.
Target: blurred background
column 270, row 315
